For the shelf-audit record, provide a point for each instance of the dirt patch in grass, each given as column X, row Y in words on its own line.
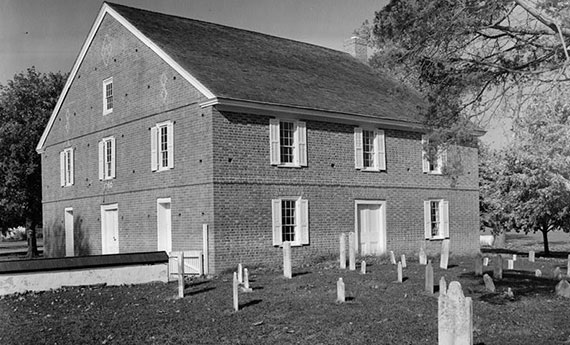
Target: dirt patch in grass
column 301, row 310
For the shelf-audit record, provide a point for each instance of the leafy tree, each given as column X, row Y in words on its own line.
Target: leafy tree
column 26, row 103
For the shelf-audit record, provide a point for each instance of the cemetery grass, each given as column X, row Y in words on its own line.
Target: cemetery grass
column 301, row 310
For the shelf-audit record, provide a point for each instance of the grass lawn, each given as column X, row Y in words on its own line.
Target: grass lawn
column 297, row 311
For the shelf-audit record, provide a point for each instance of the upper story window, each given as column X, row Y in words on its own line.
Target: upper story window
column 290, row 221
column 369, row 149
column 435, row 164
column 288, row 142
column 107, row 163
column 436, row 219
column 107, row 96
column 162, row 146
column 66, row 167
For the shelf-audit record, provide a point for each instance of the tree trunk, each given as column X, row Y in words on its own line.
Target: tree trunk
column 32, row 241
column 545, row 241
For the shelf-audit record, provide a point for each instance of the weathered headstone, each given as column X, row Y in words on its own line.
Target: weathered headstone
column 510, row 264
column 235, row 291
column 404, row 265
column 400, row 273
column 342, row 241
column 363, row 267
column 442, row 286
column 455, row 317
column 240, row 273
column 340, row 292
column 514, row 257
column 287, row 266
column 444, row 258
column 498, row 271
column 392, row 258
column 489, row 284
column 478, row 264
column 429, row 278
column 556, row 273
column 246, row 287
column 531, row 256
column 485, row 261
column 351, row 251
column 423, row 256
column 563, row 288
column 510, row 293
column 180, row 274
column 538, row 273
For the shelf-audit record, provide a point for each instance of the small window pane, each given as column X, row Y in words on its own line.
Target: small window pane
column 288, row 220
column 286, row 133
column 368, row 148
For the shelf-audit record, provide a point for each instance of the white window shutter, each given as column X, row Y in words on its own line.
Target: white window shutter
column 445, row 217
column 302, row 143
column 170, row 145
column 276, row 220
column 425, row 160
column 153, row 148
column 380, row 148
column 101, row 160
column 358, row 149
column 62, row 168
column 71, row 166
column 274, row 142
column 427, row 219
column 113, row 160
column 304, row 220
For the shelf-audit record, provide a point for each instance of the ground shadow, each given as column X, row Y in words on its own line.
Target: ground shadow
column 349, row 299
column 250, row 303
column 541, row 254
column 300, row 274
column 196, row 283
column 196, row 292
column 522, row 283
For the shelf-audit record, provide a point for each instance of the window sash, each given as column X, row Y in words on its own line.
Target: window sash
column 107, row 96
column 289, row 220
column 163, row 147
column 287, row 142
column 368, row 149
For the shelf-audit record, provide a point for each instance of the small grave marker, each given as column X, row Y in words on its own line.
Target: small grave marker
column 538, row 273
column 422, row 256
column 556, row 273
column 485, row 261
column 498, row 271
column 563, row 288
column 392, row 258
column 400, row 273
column 444, row 258
column 531, row 256
column 235, row 292
column 489, row 284
column 287, row 269
column 342, row 241
column 455, row 317
column 442, row 286
column 363, row 267
column 429, row 278
column 240, row 273
column 246, row 287
column 478, row 264
column 404, row 265
column 510, row 293
column 351, row 251
column 510, row 264
column 181, row 275
column 340, row 292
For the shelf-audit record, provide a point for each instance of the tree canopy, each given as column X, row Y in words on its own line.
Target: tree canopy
column 26, row 103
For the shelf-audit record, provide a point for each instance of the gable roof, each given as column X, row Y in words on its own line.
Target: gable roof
column 239, row 65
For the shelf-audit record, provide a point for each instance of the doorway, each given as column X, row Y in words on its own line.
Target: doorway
column 164, row 225
column 68, row 220
column 370, row 227
column 110, row 229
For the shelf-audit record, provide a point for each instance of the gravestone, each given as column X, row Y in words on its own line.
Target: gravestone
column 429, row 278
column 363, row 267
column 442, row 286
column 531, row 256
column 181, row 275
column 404, row 265
column 246, row 287
column 340, row 293
column 510, row 264
column 351, row 251
column 563, row 288
column 240, row 273
column 489, row 284
column 510, row 293
column 538, row 273
column 235, row 291
column 478, row 264
column 556, row 273
column 342, row 241
column 392, row 258
column 455, row 317
column 400, row 273
column 498, row 271
column 287, row 267
column 444, row 258
column 423, row 256
column 568, row 267
column 485, row 261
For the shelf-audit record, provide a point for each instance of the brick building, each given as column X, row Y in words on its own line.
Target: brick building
column 168, row 126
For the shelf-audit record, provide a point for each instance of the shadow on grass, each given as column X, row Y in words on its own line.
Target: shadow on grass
column 250, row 303
column 300, row 274
column 522, row 283
column 556, row 255
column 196, row 292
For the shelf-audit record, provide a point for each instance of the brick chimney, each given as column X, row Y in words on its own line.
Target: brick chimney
column 356, row 47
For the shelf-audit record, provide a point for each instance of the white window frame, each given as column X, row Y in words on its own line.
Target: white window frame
column 301, row 221
column 379, row 149
column 437, row 167
column 443, row 210
column 107, row 164
column 106, row 109
column 299, row 143
column 66, row 166
column 156, row 161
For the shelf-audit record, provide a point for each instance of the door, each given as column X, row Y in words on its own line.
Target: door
column 370, row 227
column 69, row 251
column 164, row 225
column 110, row 229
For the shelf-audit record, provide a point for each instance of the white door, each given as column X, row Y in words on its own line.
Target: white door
column 164, row 225
column 69, row 251
column 110, row 229
column 370, row 228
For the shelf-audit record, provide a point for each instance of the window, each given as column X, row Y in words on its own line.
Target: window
column 434, row 165
column 369, row 149
column 288, row 143
column 162, row 146
column 436, row 218
column 290, row 221
column 107, row 150
column 107, row 96
column 66, row 167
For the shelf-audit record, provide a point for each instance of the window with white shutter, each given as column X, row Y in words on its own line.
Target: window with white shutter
column 290, row 219
column 436, row 219
column 107, row 162
column 107, row 96
column 369, row 149
column 287, row 143
column 162, row 146
column 66, row 166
